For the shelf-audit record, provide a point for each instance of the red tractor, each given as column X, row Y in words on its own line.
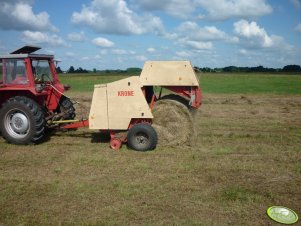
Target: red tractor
column 30, row 96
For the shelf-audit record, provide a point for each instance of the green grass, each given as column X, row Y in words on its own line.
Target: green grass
column 86, row 82
column 210, row 83
column 251, row 83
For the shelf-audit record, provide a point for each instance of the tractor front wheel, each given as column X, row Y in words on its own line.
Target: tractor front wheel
column 21, row 121
column 142, row 137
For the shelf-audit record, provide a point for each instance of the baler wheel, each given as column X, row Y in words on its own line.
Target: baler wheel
column 142, row 137
column 22, row 121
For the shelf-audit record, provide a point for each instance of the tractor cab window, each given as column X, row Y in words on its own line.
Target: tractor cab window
column 41, row 71
column 14, row 72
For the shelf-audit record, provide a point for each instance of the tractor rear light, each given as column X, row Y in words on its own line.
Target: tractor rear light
column 39, row 88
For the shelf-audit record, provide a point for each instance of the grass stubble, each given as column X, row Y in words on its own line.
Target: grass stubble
column 246, row 158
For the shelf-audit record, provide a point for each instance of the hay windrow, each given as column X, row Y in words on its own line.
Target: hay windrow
column 173, row 123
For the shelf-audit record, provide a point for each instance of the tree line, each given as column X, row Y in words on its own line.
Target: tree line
column 72, row 70
column 229, row 69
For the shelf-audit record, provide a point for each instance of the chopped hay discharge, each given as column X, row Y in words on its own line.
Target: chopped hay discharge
column 173, row 123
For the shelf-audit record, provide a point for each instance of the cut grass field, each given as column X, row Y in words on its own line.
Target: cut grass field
column 246, row 158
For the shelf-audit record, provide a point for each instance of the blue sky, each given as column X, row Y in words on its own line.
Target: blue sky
column 118, row 34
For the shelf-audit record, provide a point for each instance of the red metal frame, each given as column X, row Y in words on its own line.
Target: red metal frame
column 115, row 143
column 192, row 92
column 76, row 125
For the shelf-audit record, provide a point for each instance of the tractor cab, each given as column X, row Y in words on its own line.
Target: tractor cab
column 22, row 68
column 22, row 72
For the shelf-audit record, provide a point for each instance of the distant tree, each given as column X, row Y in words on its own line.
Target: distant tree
column 71, row 69
column 133, row 70
column 59, row 70
column 81, row 70
column 231, row 69
column 291, row 68
column 207, row 69
column 94, row 70
column 258, row 69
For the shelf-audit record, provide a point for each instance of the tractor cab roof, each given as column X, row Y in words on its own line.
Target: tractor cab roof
column 26, row 51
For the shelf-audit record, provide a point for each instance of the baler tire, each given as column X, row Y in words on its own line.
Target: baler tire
column 142, row 137
column 66, row 105
column 22, row 121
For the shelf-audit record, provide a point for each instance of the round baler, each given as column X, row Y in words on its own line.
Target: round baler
column 129, row 104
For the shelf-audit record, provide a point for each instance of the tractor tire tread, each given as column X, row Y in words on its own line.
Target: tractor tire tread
column 37, row 116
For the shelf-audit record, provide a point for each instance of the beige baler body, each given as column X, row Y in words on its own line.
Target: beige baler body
column 115, row 104
column 168, row 73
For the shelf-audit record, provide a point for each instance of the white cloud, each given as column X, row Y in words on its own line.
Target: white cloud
column 115, row 17
column 252, row 32
column 190, row 35
column 103, row 52
column 18, row 15
column 195, row 44
column 140, row 58
column 103, row 42
column 177, row 8
column 77, row 37
column 298, row 27
column 183, row 54
column 37, row 37
column 225, row 9
column 151, row 50
column 213, row 9
column 196, row 33
column 243, row 52
column 98, row 57
column 199, row 45
column 70, row 54
column 296, row 3
column 253, row 35
column 119, row 51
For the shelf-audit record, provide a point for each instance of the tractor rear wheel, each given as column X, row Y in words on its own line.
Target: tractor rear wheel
column 22, row 121
column 142, row 137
